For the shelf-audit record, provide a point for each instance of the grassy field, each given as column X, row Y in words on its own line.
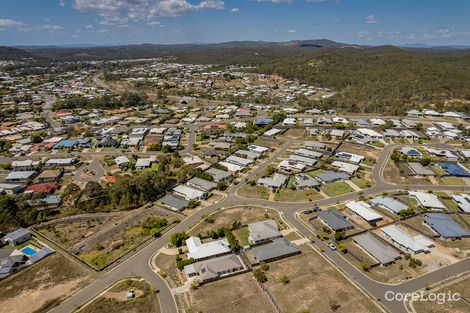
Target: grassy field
column 167, row 264
column 361, row 183
column 231, row 295
column 314, row 286
column 336, row 189
column 242, row 236
column 226, row 218
column 259, row 192
column 115, row 300
column 42, row 285
column 450, row 181
column 301, row 195
column 460, row 306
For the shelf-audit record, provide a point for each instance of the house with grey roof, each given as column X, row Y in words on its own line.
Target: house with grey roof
column 420, row 170
column 201, row 184
column 377, row 249
column 335, row 220
column 279, row 248
column 17, row 237
column 275, row 182
column 174, row 202
column 445, row 226
column 20, row 177
column 216, row 268
column 263, row 231
column 391, row 204
column 218, row 175
column 305, row 181
column 331, row 177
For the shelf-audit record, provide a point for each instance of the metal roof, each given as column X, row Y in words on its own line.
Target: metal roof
column 445, row 226
column 376, row 248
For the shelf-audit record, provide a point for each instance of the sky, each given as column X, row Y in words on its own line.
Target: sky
column 105, row 22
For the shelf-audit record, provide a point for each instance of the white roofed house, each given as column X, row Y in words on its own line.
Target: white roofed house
column 189, row 193
column 428, row 200
column 202, row 251
column 276, row 182
column 370, row 133
column 345, row 167
column 144, row 163
column 365, row 211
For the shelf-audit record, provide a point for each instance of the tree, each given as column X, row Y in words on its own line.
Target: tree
column 342, row 248
column 269, row 171
column 264, row 266
column 365, row 266
column 425, row 161
column 260, row 275
column 419, row 126
column 177, row 239
column 284, row 280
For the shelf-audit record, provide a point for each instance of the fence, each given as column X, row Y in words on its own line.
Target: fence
column 271, row 297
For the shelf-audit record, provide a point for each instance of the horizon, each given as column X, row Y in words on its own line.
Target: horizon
column 116, row 23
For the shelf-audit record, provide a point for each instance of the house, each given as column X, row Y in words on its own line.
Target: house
column 51, row 201
column 107, row 142
column 189, row 193
column 272, row 133
column 411, row 152
column 289, row 121
column 17, row 237
column 303, row 160
column 463, row 201
column 50, row 176
column 201, row 184
column 212, row 269
column 258, row 149
column 445, row 226
column 420, row 170
column 122, row 161
column 202, row 251
column 25, row 165
column 61, row 162
column 370, row 133
column 238, row 161
column 308, row 153
column 65, row 144
column 291, row 165
column 263, row 121
column 305, row 181
column 174, row 202
column 218, row 175
column 338, row 133
column 315, row 145
column 20, row 177
column 276, row 182
column 433, row 132
column 263, row 231
column 404, row 240
column 409, row 134
column 427, row 200
column 278, row 249
column 379, row 250
column 328, row 177
column 232, row 168
column 454, row 169
column 345, row 167
column 365, row 211
column 248, row 154
column 11, row 260
column 141, row 164
column 10, row 189
column 389, row 204
column 335, row 220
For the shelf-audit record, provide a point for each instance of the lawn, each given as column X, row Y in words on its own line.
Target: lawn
column 231, row 295
column 336, row 189
column 43, row 285
column 259, row 192
column 242, row 236
column 314, row 285
column 301, row 195
column 450, row 181
column 291, row 182
column 316, row 172
column 115, row 300
column 361, row 183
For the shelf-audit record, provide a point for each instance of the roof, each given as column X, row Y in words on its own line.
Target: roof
column 454, row 169
column 263, row 230
column 389, row 203
column 217, row 174
column 198, row 250
column 304, row 180
column 376, row 248
column 277, row 181
column 364, row 210
column 280, row 247
column 335, row 219
column 330, row 176
column 418, row 169
column 445, row 226
column 17, row 234
column 212, row 268
column 351, row 157
column 463, row 202
column 202, row 184
column 416, row 244
column 122, row 159
column 64, row 161
column 345, row 167
column 174, row 201
column 427, row 200
column 20, row 175
column 188, row 192
column 44, row 188
column 39, row 255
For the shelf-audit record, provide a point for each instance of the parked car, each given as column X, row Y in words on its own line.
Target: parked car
column 332, row 246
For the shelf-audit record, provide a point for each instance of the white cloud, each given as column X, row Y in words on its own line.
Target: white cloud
column 119, row 12
column 235, row 10
column 62, row 3
column 444, row 33
column 291, row 31
column 276, row 1
column 7, row 23
column 51, row 28
column 371, row 19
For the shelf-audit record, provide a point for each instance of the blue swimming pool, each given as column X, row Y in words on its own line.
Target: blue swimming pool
column 29, row 251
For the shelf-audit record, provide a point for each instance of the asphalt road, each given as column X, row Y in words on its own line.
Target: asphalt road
column 138, row 264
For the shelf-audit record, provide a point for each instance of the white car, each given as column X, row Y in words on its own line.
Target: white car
column 332, row 246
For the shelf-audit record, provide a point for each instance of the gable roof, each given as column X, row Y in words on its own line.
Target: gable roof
column 445, row 226
column 263, row 230
column 280, row 247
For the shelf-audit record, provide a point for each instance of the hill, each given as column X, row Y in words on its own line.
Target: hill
column 9, row 53
column 383, row 79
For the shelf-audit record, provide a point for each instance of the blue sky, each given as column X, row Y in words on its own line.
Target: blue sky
column 374, row 22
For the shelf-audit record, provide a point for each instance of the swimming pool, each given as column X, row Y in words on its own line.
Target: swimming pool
column 29, row 251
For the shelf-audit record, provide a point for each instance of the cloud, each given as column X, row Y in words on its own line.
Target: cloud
column 62, row 3
column 235, row 10
column 51, row 28
column 291, row 31
column 371, row 19
column 444, row 33
column 275, row 1
column 120, row 12
column 7, row 23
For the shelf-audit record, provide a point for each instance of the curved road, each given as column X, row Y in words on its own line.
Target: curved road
column 138, row 264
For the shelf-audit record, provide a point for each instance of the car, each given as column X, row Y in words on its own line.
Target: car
column 332, row 246
column 307, row 211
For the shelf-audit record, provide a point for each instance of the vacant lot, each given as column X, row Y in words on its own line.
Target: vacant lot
column 336, row 189
column 226, row 218
column 295, row 133
column 314, row 286
column 231, row 295
column 259, row 192
column 461, row 306
column 365, row 151
column 301, row 195
column 167, row 264
column 42, row 285
column 115, row 300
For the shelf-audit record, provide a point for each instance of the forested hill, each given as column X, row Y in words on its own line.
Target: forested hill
column 9, row 53
column 384, row 79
